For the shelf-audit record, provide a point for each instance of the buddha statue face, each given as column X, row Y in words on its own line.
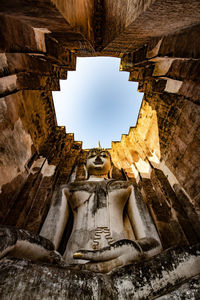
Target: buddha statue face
column 98, row 162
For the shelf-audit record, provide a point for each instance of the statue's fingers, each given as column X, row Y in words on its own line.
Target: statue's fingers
column 104, row 266
column 115, row 250
column 103, row 254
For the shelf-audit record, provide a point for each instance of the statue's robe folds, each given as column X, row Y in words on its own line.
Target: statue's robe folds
column 98, row 214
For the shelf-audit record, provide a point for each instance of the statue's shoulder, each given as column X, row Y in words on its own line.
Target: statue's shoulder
column 83, row 185
column 118, row 184
column 90, row 186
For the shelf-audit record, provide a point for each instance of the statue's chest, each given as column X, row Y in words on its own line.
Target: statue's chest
column 97, row 196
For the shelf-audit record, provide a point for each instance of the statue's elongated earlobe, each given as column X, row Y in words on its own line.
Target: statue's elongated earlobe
column 73, row 175
column 86, row 172
column 110, row 173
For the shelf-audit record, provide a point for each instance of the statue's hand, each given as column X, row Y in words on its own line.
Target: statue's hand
column 120, row 253
column 8, row 239
column 21, row 243
column 56, row 258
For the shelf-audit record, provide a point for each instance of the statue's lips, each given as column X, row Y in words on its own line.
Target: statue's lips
column 98, row 163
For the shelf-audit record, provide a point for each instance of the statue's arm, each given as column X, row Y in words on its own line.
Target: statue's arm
column 57, row 217
column 144, row 229
column 21, row 243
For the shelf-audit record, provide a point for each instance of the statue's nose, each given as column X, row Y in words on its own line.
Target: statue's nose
column 98, row 160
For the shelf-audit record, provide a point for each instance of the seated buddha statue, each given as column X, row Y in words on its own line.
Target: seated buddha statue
column 111, row 223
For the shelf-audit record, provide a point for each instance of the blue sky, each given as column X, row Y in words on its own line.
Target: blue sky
column 97, row 102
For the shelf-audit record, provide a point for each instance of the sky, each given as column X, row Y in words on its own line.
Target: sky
column 97, row 102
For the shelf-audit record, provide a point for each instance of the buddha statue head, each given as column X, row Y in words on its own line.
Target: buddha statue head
column 98, row 163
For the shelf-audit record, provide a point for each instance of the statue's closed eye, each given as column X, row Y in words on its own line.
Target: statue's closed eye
column 103, row 154
column 91, row 155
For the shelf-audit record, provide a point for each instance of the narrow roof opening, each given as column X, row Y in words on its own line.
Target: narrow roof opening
column 97, row 102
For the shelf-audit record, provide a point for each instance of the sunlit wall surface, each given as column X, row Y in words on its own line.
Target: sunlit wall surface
column 97, row 102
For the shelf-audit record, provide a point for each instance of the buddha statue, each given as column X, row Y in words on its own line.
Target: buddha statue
column 112, row 226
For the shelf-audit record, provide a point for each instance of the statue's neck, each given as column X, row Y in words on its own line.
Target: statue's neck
column 97, row 178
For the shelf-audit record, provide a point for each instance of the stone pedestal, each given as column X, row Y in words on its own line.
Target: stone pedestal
column 169, row 275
